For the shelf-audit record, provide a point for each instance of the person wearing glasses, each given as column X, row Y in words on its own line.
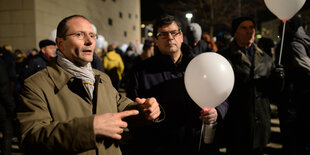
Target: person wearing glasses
column 163, row 77
column 70, row 108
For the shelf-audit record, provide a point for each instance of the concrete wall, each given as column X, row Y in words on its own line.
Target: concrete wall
column 17, row 23
column 23, row 23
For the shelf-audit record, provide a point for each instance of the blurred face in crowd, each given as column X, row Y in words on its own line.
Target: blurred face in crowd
column 206, row 37
column 50, row 50
column 79, row 42
column 169, row 40
column 244, row 34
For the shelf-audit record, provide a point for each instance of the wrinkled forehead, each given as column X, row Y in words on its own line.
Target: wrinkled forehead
column 171, row 26
column 79, row 24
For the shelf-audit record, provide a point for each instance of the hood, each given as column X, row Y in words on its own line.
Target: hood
column 112, row 55
column 301, row 34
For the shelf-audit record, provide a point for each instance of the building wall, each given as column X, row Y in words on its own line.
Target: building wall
column 17, row 23
column 23, row 23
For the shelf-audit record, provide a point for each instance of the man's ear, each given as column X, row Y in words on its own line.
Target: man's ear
column 59, row 43
column 43, row 50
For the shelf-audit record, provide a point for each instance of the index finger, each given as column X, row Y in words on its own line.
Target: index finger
column 127, row 113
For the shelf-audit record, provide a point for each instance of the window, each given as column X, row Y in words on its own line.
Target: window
column 134, row 27
column 136, row 16
column 125, row 33
column 110, row 21
column 129, row 15
column 120, row 15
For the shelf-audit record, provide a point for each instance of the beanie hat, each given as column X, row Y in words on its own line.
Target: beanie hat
column 236, row 22
column 46, row 42
column 194, row 31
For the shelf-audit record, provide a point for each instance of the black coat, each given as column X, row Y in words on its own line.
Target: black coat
column 6, row 97
column 247, row 124
column 179, row 133
column 33, row 65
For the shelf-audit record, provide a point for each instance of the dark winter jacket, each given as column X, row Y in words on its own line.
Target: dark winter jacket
column 33, row 65
column 202, row 47
column 247, row 124
column 6, row 97
column 160, row 77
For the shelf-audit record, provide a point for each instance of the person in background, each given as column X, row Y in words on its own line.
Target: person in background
column 9, row 59
column 7, row 109
column 113, row 66
column 148, row 51
column 39, row 61
column 209, row 40
column 71, row 108
column 162, row 75
column 247, row 124
column 194, row 39
column 293, row 102
column 223, row 39
column 267, row 45
column 97, row 63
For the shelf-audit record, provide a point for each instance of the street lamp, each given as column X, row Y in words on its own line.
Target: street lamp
column 189, row 16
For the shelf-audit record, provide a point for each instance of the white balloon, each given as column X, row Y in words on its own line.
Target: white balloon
column 284, row 9
column 100, row 41
column 94, row 27
column 53, row 35
column 209, row 79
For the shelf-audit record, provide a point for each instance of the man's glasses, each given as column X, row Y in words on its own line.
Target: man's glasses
column 82, row 35
column 164, row 35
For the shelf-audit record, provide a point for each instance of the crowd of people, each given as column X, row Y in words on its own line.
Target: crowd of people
column 65, row 98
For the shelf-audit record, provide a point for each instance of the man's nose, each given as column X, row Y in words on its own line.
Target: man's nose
column 170, row 36
column 89, row 40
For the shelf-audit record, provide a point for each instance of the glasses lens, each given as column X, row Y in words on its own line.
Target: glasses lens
column 166, row 34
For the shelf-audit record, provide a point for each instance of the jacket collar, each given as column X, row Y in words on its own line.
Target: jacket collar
column 60, row 77
column 237, row 50
column 184, row 58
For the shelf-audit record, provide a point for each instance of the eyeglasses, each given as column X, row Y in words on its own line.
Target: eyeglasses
column 163, row 35
column 82, row 35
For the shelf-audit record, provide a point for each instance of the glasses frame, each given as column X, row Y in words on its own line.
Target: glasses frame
column 81, row 34
column 166, row 34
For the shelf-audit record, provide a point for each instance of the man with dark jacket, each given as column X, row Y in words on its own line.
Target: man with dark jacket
column 39, row 61
column 247, row 124
column 163, row 76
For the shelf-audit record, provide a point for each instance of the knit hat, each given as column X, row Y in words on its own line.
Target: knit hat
column 46, row 42
column 236, row 22
column 194, row 31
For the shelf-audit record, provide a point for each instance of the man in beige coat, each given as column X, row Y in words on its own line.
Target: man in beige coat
column 70, row 108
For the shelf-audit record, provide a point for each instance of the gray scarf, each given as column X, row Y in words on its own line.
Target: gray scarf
column 85, row 73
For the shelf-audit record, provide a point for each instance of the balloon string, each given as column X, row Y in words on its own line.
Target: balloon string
column 200, row 136
column 281, row 48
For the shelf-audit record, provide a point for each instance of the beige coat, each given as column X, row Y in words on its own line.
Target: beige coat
column 56, row 115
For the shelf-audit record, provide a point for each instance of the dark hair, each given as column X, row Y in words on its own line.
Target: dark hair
column 62, row 27
column 163, row 20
